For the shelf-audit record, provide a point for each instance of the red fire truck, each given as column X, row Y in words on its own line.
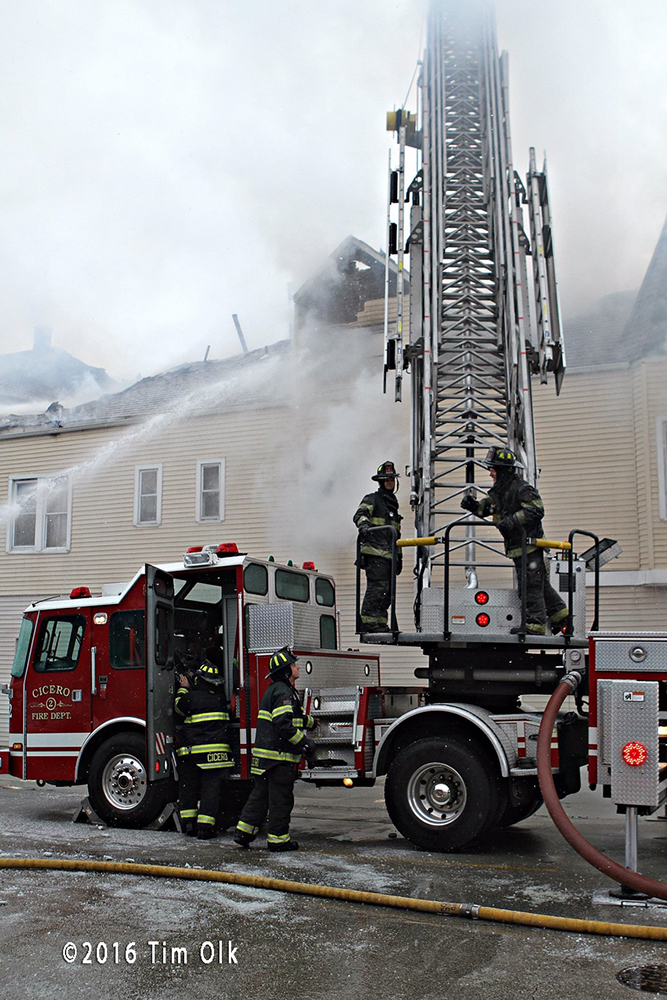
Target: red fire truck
column 92, row 688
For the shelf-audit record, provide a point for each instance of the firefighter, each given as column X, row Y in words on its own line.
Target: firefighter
column 280, row 744
column 514, row 504
column 379, row 509
column 204, row 755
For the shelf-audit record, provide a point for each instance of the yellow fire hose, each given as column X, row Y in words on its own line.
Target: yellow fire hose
column 467, row 910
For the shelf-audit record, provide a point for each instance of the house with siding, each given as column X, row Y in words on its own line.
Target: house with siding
column 274, row 449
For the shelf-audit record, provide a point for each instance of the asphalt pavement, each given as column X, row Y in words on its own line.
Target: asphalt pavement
column 81, row 934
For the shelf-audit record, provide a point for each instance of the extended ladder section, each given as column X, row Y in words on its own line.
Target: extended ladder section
column 482, row 321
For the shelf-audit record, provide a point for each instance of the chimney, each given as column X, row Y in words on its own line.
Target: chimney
column 42, row 341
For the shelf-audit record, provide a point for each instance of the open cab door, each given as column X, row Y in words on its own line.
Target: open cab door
column 160, row 673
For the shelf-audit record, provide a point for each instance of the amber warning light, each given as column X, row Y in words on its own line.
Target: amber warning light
column 634, row 754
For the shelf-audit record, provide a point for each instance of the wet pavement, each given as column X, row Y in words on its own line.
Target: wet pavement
column 75, row 934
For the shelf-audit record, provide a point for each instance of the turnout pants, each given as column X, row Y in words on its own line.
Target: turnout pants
column 199, row 792
column 543, row 603
column 378, row 593
column 273, row 795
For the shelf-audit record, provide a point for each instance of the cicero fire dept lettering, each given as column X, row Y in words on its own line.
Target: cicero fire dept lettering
column 55, row 708
column 47, row 689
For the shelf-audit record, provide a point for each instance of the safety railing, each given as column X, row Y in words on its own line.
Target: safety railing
column 446, row 540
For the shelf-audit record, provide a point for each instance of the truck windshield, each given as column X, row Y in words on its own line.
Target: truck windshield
column 22, row 648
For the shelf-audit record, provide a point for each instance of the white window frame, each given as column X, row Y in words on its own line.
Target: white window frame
column 201, row 464
column 139, row 469
column 42, row 480
column 661, row 442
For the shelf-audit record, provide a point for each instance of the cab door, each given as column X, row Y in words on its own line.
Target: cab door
column 160, row 674
column 57, row 695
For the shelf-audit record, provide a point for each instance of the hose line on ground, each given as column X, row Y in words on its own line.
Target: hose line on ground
column 467, row 910
column 615, row 871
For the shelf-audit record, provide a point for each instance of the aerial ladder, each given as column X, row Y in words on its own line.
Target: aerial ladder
column 476, row 320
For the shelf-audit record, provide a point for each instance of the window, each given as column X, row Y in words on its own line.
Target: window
column 327, row 632
column 211, row 490
column 661, row 438
column 126, row 639
column 60, row 643
column 148, row 494
column 40, row 514
column 291, row 586
column 324, row 593
column 22, row 648
column 256, row 579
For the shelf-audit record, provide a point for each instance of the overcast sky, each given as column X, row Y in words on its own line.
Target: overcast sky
column 166, row 163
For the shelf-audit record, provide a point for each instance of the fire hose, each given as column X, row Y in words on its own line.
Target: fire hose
column 465, row 910
column 626, row 877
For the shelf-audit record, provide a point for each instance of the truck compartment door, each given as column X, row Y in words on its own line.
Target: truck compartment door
column 160, row 676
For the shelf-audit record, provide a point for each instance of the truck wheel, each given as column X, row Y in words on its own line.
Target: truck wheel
column 118, row 786
column 442, row 794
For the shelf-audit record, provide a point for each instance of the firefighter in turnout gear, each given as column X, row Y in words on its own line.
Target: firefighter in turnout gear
column 378, row 510
column 280, row 744
column 513, row 505
column 204, row 756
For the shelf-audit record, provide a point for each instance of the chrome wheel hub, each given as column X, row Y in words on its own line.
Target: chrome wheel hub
column 437, row 794
column 124, row 781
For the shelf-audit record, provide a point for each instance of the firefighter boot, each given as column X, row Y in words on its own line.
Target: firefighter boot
column 532, row 628
column 559, row 628
column 205, row 832
column 242, row 839
column 189, row 827
column 287, row 845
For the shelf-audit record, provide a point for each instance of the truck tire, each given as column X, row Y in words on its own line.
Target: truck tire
column 118, row 786
column 442, row 794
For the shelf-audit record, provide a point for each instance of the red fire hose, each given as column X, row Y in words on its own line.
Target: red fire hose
column 626, row 877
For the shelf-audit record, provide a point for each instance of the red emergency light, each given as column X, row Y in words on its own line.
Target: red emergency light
column 227, row 549
column 79, row 592
column 634, row 754
column 195, row 548
column 481, row 597
column 308, row 565
column 482, row 619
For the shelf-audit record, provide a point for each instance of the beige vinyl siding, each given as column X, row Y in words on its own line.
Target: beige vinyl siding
column 650, row 380
column 586, row 451
column 632, row 609
column 106, row 545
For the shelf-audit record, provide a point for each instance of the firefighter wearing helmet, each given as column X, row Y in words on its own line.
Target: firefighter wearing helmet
column 204, row 754
column 280, row 744
column 513, row 505
column 376, row 511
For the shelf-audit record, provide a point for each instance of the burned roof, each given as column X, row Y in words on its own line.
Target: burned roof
column 197, row 387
